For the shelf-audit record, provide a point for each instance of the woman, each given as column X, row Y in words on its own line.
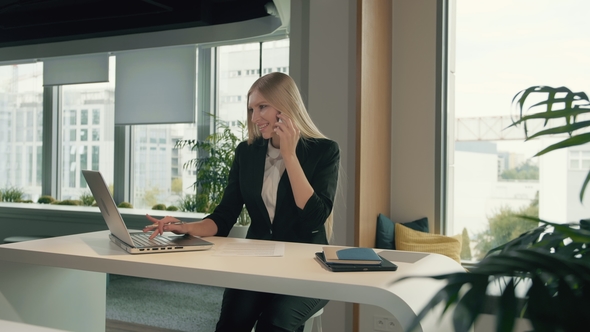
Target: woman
column 286, row 174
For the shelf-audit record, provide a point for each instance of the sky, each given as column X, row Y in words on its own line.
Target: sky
column 520, row 43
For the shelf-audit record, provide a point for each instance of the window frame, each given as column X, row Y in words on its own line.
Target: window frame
column 206, row 101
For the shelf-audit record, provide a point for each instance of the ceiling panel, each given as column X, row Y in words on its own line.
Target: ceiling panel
column 25, row 22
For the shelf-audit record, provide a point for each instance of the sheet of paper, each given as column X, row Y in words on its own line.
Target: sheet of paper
column 269, row 249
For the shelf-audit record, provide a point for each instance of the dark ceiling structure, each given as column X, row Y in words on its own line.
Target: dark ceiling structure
column 25, row 22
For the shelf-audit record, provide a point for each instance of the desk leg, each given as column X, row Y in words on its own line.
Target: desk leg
column 59, row 298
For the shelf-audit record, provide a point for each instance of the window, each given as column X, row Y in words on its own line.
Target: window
column 21, row 113
column 84, row 117
column 95, row 134
column 95, row 117
column 501, row 48
column 232, row 91
column 75, row 99
column 95, row 157
column 159, row 173
column 83, row 164
column 159, row 176
column 87, row 132
column 579, row 160
column 83, row 134
column 73, row 115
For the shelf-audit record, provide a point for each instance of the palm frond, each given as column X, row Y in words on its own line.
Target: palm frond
column 584, row 185
column 559, row 104
column 505, row 319
column 552, row 258
column 566, row 143
column 449, row 294
column 567, row 129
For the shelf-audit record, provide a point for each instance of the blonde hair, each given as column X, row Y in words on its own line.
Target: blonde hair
column 281, row 92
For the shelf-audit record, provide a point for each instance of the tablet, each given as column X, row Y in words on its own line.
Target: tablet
column 386, row 265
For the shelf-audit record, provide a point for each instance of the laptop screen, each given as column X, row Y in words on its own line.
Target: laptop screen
column 107, row 205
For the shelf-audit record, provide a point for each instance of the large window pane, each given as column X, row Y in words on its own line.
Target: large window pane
column 239, row 66
column 159, row 176
column 159, row 173
column 503, row 47
column 21, row 128
column 80, row 151
column 275, row 56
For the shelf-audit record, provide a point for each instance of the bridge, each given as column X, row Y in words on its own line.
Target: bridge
column 491, row 128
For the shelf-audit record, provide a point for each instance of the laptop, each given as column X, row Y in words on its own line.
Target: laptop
column 135, row 242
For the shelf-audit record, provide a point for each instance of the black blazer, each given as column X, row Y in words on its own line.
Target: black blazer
column 319, row 159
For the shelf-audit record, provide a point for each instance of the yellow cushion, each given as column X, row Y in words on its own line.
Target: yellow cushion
column 411, row 240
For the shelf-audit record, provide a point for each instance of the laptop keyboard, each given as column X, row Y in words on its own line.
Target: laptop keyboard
column 143, row 240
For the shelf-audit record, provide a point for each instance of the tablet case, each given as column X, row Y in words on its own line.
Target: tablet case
column 386, row 265
column 349, row 256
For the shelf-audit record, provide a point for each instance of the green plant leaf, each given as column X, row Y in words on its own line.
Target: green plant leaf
column 508, row 305
column 539, row 307
column 448, row 295
column 584, row 185
column 566, row 143
column 565, row 113
column 470, row 305
column 577, row 234
column 561, row 129
column 571, row 105
column 213, row 163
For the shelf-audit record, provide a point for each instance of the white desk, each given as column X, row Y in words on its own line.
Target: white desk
column 60, row 282
column 21, row 327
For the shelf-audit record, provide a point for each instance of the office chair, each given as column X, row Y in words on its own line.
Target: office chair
column 317, row 319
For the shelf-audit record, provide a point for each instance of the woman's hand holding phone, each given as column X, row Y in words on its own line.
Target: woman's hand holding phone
column 288, row 134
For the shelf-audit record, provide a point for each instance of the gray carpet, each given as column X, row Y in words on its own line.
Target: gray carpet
column 164, row 304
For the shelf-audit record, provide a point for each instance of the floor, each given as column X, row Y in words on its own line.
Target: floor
column 140, row 304
column 119, row 326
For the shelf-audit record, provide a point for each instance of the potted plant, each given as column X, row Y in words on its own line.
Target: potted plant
column 12, row 194
column 125, row 205
column 45, row 199
column 550, row 263
column 214, row 159
column 159, row 206
column 87, row 199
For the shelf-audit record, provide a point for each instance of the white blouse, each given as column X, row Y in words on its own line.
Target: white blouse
column 273, row 170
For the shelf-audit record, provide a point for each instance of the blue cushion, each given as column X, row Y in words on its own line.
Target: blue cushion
column 385, row 238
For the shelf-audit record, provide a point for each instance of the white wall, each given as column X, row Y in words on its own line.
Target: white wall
column 323, row 62
column 575, row 178
column 575, row 209
column 559, row 196
column 414, row 132
column 414, row 110
column 328, row 79
column 553, row 185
